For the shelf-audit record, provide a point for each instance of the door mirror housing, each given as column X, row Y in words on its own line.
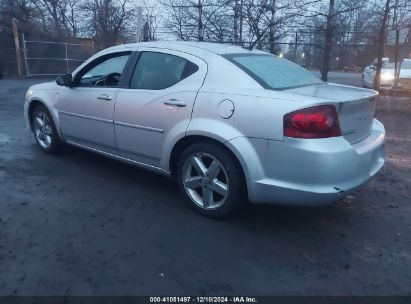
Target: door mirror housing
column 65, row 80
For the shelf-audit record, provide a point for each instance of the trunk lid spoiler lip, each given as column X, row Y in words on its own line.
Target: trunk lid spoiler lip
column 332, row 92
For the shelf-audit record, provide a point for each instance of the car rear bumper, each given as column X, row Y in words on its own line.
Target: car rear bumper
column 308, row 171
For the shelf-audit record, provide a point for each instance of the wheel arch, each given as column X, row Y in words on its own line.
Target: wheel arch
column 38, row 102
column 186, row 141
column 32, row 105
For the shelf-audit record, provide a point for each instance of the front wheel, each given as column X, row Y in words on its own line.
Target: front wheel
column 44, row 130
column 211, row 179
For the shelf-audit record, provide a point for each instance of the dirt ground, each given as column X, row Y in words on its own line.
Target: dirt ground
column 81, row 224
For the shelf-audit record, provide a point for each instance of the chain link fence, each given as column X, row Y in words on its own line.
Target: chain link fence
column 8, row 61
column 47, row 58
column 310, row 55
column 50, row 58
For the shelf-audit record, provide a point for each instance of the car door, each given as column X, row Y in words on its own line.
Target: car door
column 86, row 108
column 158, row 103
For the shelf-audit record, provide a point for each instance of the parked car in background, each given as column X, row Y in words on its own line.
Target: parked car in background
column 227, row 123
column 387, row 75
column 352, row 68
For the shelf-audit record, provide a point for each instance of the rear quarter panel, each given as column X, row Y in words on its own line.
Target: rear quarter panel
column 258, row 113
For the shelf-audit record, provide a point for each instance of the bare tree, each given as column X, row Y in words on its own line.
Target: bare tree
column 55, row 11
column 329, row 19
column 22, row 10
column 178, row 19
column 270, row 21
column 150, row 23
column 107, row 19
column 70, row 17
column 255, row 21
column 381, row 41
column 199, row 19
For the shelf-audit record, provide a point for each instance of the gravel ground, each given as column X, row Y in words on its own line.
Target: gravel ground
column 81, row 224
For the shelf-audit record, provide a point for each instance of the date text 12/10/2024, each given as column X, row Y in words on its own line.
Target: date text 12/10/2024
column 203, row 300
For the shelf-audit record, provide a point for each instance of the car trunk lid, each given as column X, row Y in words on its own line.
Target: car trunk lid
column 355, row 107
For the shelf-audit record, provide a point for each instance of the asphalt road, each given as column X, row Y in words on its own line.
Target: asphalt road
column 81, row 224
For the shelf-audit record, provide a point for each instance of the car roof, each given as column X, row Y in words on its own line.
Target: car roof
column 193, row 47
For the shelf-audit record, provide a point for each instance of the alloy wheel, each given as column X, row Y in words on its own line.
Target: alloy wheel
column 205, row 181
column 42, row 129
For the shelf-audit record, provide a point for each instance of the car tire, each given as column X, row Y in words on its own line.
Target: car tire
column 211, row 179
column 44, row 130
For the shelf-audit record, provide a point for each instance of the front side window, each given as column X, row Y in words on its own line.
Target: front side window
column 104, row 71
column 157, row 71
column 273, row 72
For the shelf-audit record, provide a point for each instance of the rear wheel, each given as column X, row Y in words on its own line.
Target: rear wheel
column 210, row 179
column 44, row 130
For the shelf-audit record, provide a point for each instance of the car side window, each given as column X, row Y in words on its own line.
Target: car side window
column 157, row 71
column 104, row 71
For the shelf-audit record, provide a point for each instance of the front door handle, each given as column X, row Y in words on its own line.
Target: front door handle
column 175, row 102
column 104, row 97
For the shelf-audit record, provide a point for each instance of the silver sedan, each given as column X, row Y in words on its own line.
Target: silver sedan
column 227, row 123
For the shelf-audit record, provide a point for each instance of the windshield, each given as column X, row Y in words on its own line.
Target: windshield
column 406, row 64
column 273, row 72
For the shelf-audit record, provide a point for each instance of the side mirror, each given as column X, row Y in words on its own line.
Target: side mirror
column 65, row 80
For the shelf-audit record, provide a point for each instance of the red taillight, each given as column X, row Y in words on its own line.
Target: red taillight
column 314, row 122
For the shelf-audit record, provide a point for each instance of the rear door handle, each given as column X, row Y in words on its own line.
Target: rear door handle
column 104, row 97
column 175, row 102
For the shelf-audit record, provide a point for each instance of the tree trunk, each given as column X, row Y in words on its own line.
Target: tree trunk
column 236, row 19
column 146, row 30
column 272, row 29
column 200, row 21
column 241, row 22
column 56, row 21
column 328, row 42
column 381, row 42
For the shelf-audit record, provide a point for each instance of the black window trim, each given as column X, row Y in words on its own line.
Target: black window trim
column 129, row 70
column 136, row 58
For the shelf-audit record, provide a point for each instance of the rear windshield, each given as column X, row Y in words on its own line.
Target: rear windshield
column 273, row 72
